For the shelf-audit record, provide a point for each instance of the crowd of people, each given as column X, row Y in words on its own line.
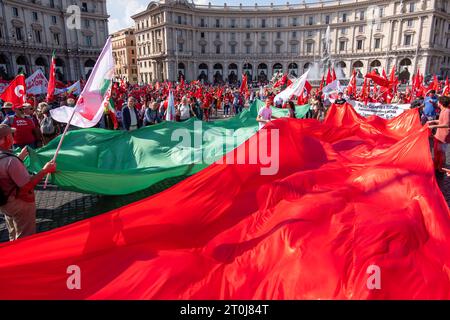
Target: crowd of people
column 30, row 125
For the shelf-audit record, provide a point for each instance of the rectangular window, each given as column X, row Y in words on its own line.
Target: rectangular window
column 233, row 49
column 278, row 35
column 263, row 49
column 217, row 23
column 412, row 6
column 202, row 35
column 35, row 16
column 217, row 35
column 179, row 19
column 56, row 39
column 361, row 29
column 203, row 49
column 263, row 35
column 247, row 36
column 294, row 34
column 294, row 48
column 217, row 49
column 327, row 19
column 361, row 15
column 247, row 49
column 410, row 23
column 294, row 22
column 233, row 36
column 19, row 34
column 311, row 21
column 310, row 33
column 263, row 23
column 309, row 47
column 278, row 22
column 342, row 46
column 233, row 23
column 344, row 17
column 344, row 30
column 248, row 25
column 54, row 19
column 15, row 12
column 359, row 45
column 377, row 43
column 87, row 23
column 202, row 22
column 180, row 47
column 277, row 49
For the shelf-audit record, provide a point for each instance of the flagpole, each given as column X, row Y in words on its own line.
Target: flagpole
column 73, row 114
column 60, row 144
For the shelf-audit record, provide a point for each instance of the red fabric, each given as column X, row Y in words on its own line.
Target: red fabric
column 51, row 81
column 379, row 80
column 16, row 91
column 329, row 77
column 333, row 76
column 440, row 158
column 350, row 193
column 281, row 82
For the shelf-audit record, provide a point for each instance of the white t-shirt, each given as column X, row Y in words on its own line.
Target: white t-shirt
column 265, row 114
column 185, row 112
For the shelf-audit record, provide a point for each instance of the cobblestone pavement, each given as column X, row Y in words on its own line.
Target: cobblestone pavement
column 57, row 208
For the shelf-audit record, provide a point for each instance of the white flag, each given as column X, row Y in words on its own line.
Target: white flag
column 37, row 83
column 295, row 89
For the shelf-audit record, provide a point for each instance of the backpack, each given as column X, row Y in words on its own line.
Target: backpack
column 47, row 126
column 3, row 196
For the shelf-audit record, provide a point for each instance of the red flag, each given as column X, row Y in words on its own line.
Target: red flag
column 378, row 80
column 16, row 91
column 436, row 84
column 322, row 83
column 333, row 76
column 52, row 79
column 446, row 91
column 384, row 74
column 329, row 77
column 281, row 82
column 351, row 89
column 393, row 80
column 308, row 87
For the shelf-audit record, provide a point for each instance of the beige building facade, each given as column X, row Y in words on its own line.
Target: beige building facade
column 31, row 29
column 124, row 53
column 222, row 42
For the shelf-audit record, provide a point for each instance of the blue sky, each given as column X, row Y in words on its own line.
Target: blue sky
column 120, row 12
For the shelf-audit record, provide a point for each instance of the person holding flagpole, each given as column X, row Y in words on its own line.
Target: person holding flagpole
column 17, row 199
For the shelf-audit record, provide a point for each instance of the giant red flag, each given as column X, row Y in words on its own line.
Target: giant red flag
column 379, row 80
column 339, row 200
column 16, row 91
column 446, row 90
column 52, row 79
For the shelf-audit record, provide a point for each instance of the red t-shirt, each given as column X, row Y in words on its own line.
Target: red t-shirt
column 24, row 130
column 443, row 134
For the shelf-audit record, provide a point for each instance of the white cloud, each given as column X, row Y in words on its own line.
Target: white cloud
column 121, row 13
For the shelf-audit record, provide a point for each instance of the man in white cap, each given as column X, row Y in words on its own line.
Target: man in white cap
column 17, row 200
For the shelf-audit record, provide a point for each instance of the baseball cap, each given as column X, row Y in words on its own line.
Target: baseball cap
column 5, row 130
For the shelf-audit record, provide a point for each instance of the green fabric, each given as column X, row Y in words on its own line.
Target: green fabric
column 117, row 162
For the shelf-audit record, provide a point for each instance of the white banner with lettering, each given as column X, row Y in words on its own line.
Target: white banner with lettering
column 37, row 83
column 385, row 111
